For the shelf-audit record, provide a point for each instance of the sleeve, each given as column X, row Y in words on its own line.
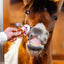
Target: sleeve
column 3, row 37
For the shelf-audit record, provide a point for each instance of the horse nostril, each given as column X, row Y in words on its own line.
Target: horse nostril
column 47, row 33
column 45, row 39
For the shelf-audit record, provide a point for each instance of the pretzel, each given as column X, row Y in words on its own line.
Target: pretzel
column 24, row 31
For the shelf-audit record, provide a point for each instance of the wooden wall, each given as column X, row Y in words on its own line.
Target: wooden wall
column 6, row 13
column 12, row 13
column 58, row 36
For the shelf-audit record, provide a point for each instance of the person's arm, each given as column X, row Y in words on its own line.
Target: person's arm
column 7, row 34
column 3, row 37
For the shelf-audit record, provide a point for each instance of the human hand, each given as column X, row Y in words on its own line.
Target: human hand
column 11, row 32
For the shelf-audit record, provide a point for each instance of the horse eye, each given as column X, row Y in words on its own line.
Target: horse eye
column 27, row 12
column 55, row 17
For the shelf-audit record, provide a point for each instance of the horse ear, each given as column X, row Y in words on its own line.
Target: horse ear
column 59, row 4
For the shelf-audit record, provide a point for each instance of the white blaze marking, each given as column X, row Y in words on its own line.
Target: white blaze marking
column 11, row 57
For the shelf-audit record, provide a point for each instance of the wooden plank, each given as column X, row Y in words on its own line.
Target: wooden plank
column 58, row 57
column 58, row 62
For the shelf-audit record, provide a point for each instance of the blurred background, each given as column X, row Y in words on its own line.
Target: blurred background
column 13, row 14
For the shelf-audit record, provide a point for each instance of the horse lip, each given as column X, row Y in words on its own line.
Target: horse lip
column 34, row 47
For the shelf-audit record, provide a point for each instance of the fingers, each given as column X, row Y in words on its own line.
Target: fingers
column 12, row 36
column 13, row 29
column 16, row 33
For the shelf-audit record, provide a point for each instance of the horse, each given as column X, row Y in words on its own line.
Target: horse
column 34, row 48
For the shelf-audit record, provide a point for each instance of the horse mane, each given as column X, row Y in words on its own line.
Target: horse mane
column 40, row 5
